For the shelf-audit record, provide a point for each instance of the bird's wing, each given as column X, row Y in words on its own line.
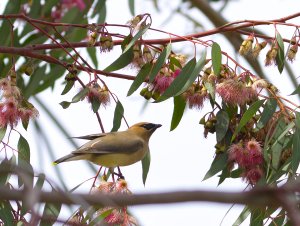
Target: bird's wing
column 91, row 136
column 112, row 143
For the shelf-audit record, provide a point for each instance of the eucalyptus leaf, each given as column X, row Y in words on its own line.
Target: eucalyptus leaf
column 2, row 132
column 131, row 7
column 247, row 116
column 296, row 144
column 179, row 106
column 280, row 54
column 23, row 149
column 221, row 124
column 269, row 110
column 118, row 115
column 124, row 59
column 160, row 62
column 216, row 58
column 146, row 166
column 68, row 87
column 139, row 79
column 219, row 163
column 136, row 37
column 179, row 81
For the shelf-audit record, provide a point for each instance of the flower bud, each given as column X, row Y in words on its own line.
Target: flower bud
column 147, row 54
column 92, row 38
column 257, row 48
column 246, row 45
column 271, row 56
column 292, row 52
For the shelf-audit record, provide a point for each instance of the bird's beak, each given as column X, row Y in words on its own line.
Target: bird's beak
column 157, row 126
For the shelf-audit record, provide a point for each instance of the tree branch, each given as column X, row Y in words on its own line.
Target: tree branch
column 256, row 197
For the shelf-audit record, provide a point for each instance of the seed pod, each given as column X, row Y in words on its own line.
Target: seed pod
column 292, row 52
column 246, row 46
column 257, row 48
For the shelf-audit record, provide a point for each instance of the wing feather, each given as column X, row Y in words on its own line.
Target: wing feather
column 91, row 136
column 112, row 143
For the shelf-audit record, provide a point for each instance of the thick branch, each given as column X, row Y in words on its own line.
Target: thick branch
column 26, row 52
column 257, row 198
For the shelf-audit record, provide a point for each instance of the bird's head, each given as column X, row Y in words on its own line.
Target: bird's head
column 144, row 129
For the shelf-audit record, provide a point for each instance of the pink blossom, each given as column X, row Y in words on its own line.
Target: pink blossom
column 253, row 175
column 80, row 4
column 9, row 113
column 164, row 79
column 246, row 156
column 197, row 99
column 235, row 92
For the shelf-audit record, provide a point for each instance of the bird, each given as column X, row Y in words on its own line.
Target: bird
column 114, row 149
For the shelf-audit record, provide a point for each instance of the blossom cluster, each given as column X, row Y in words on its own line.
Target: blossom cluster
column 248, row 156
column 98, row 93
column 65, row 5
column 117, row 216
column 13, row 106
column 247, row 48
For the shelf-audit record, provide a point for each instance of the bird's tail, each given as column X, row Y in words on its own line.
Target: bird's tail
column 66, row 158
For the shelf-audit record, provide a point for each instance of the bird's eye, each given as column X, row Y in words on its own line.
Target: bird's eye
column 148, row 126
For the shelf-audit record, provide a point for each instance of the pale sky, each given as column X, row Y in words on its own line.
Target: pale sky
column 181, row 158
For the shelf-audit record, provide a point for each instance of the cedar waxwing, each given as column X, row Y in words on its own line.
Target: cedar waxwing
column 116, row 148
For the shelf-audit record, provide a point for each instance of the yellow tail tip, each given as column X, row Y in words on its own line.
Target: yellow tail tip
column 54, row 163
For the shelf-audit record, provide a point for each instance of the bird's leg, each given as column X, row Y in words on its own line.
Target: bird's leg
column 120, row 175
column 111, row 170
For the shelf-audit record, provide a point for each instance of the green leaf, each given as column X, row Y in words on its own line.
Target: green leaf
column 242, row 217
column 27, row 173
column 68, row 87
column 160, row 62
column 296, row 144
column 280, row 55
column 146, row 166
column 131, row 7
column 6, row 214
column 126, row 41
column 216, row 58
column 139, row 79
column 136, row 37
column 40, row 181
column 95, row 104
column 23, row 149
column 297, row 91
column 247, row 116
column 269, row 109
column 82, row 93
column 99, row 5
column 102, row 14
column 65, row 104
column 50, row 214
column 219, row 163
column 2, row 132
column 195, row 73
column 280, row 141
column 35, row 81
column 118, row 115
column 5, row 166
column 257, row 217
column 179, row 81
column 211, row 89
column 179, row 106
column 221, row 124
column 48, row 6
column 92, row 53
column 124, row 59
column 174, row 62
column 279, row 219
